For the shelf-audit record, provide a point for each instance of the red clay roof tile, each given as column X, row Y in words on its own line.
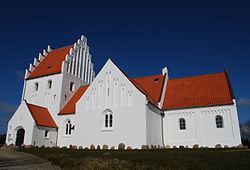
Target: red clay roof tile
column 41, row 116
column 152, row 85
column 197, row 91
column 52, row 63
column 70, row 107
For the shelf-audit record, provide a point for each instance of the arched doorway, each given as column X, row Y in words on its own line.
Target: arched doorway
column 20, row 137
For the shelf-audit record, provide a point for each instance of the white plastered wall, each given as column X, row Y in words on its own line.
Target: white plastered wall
column 44, row 96
column 67, row 79
column 39, row 138
column 110, row 90
column 22, row 118
column 201, row 127
column 63, row 139
column 154, row 125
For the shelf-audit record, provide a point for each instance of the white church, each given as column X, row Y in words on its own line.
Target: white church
column 65, row 103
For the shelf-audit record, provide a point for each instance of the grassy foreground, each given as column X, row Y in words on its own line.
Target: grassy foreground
column 145, row 159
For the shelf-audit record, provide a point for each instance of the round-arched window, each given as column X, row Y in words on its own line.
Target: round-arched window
column 182, row 123
column 107, row 118
column 219, row 121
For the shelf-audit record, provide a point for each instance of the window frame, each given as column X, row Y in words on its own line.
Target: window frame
column 107, row 120
column 219, row 121
column 182, row 124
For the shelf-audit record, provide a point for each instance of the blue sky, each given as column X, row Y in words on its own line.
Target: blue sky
column 189, row 37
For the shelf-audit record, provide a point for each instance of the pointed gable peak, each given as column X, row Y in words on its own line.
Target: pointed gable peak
column 110, row 61
column 110, row 65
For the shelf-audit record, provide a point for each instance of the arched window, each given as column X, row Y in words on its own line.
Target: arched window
column 108, row 118
column 68, row 127
column 219, row 121
column 182, row 123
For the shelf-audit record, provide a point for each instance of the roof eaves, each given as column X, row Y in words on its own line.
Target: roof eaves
column 48, row 126
column 35, row 119
column 198, row 106
column 43, row 76
column 65, row 113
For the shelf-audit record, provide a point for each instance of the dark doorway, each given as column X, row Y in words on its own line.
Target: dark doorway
column 20, row 137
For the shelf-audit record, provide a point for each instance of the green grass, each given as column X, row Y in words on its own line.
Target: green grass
column 146, row 159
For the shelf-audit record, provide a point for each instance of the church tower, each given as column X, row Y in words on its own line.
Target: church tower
column 57, row 74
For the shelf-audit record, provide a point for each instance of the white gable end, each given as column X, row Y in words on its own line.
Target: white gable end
column 110, row 88
column 111, row 93
column 22, row 119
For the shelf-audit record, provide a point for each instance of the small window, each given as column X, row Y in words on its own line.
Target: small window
column 107, row 120
column 46, row 134
column 49, row 84
column 108, row 91
column 182, row 123
column 65, row 97
column 72, row 86
column 68, row 127
column 36, row 86
column 219, row 121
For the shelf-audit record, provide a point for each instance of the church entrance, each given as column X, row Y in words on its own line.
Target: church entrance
column 20, row 137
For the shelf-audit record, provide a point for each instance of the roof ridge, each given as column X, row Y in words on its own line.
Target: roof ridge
column 199, row 75
column 61, row 47
column 147, row 76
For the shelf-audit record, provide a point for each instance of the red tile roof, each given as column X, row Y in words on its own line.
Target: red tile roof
column 70, row 107
column 41, row 116
column 140, row 85
column 52, row 63
column 197, row 91
column 152, row 85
